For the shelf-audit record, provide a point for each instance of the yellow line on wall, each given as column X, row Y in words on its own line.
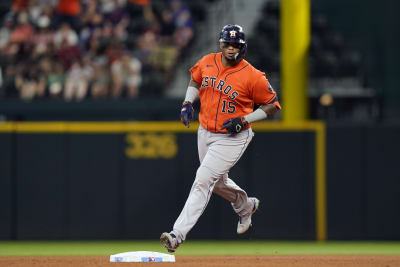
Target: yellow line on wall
column 320, row 183
column 121, row 127
column 7, row 127
column 94, row 127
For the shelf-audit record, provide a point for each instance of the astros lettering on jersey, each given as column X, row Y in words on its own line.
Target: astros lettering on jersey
column 229, row 92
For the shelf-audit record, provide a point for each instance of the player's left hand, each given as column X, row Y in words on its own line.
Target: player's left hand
column 234, row 125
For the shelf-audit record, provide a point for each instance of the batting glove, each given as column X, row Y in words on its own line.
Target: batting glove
column 187, row 113
column 234, row 125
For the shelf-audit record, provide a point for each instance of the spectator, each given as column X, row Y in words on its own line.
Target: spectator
column 125, row 73
column 65, row 36
column 43, row 38
column 55, row 80
column 23, row 32
column 146, row 44
column 183, row 23
column 30, row 82
column 101, row 80
column 66, row 45
column 163, row 58
column 77, row 80
column 120, row 30
column 94, row 45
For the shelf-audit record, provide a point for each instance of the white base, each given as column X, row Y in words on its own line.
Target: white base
column 142, row 256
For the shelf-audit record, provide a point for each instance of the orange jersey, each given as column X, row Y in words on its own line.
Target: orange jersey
column 229, row 92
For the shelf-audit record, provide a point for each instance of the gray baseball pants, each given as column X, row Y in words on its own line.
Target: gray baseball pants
column 218, row 153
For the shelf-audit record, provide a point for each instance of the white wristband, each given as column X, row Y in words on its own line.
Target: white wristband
column 256, row 115
column 191, row 94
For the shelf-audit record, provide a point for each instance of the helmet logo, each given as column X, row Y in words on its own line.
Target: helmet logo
column 233, row 33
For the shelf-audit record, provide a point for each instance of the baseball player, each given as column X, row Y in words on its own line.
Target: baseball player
column 228, row 87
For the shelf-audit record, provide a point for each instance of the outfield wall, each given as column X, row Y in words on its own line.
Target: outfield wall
column 121, row 182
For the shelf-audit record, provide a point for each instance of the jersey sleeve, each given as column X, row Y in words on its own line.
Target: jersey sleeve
column 196, row 72
column 263, row 93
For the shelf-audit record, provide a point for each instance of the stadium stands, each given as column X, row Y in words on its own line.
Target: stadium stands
column 74, row 50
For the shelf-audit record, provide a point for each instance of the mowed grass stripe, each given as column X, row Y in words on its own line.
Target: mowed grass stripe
column 29, row 248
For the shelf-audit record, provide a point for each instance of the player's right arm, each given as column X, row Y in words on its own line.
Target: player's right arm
column 196, row 78
column 187, row 111
column 192, row 92
column 195, row 84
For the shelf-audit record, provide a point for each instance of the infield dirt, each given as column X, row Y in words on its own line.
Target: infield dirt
column 205, row 261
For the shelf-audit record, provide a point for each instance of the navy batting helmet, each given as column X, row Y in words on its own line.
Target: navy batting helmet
column 233, row 33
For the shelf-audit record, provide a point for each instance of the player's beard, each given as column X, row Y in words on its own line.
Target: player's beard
column 231, row 61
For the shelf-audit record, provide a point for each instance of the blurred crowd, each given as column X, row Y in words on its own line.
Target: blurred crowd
column 77, row 49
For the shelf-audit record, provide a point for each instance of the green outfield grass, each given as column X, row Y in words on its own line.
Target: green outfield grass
column 25, row 248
